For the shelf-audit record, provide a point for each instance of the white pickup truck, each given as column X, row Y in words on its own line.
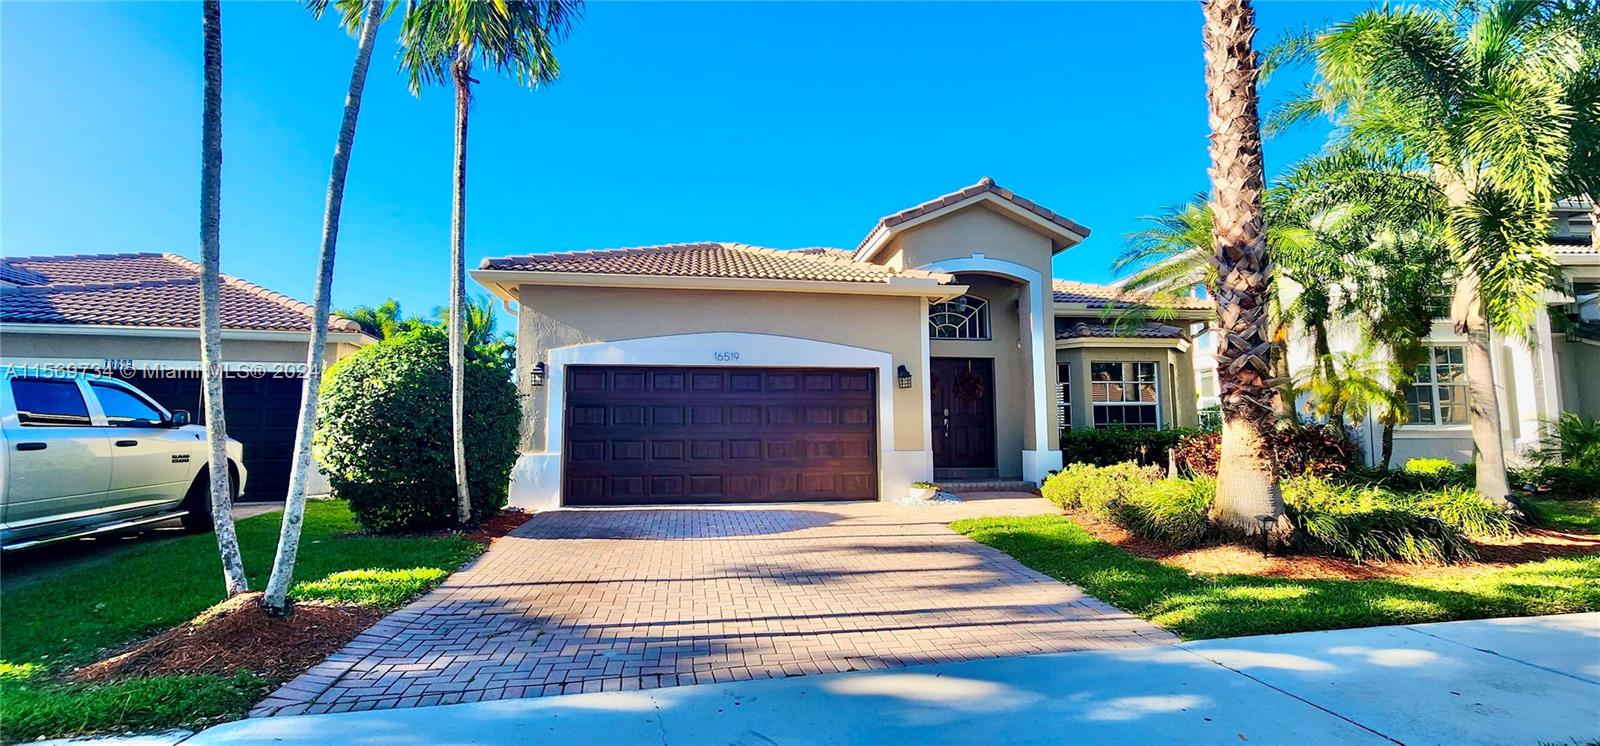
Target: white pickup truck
column 86, row 454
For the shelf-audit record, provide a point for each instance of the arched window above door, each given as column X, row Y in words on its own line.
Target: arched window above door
column 966, row 317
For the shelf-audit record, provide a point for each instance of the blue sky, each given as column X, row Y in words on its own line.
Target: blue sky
column 777, row 124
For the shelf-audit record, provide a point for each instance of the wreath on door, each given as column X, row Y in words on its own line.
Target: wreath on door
column 969, row 386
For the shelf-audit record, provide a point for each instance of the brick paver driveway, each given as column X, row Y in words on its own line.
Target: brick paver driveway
column 594, row 600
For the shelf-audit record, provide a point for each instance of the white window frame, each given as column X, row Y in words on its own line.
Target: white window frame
column 1128, row 368
column 973, row 326
column 1432, row 386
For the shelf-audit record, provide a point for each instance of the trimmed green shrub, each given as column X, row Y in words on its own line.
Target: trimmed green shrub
column 1369, row 523
column 1114, row 445
column 383, row 432
column 1092, row 488
column 1171, row 511
column 1429, row 466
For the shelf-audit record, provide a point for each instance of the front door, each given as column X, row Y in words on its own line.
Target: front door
column 963, row 412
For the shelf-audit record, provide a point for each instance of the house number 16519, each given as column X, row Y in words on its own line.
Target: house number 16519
column 725, row 357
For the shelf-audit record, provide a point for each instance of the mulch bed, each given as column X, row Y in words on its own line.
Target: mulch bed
column 236, row 635
column 498, row 525
column 1531, row 545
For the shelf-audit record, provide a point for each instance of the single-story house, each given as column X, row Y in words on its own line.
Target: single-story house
column 136, row 316
column 941, row 347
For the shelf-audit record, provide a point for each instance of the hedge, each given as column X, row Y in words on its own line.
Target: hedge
column 383, row 432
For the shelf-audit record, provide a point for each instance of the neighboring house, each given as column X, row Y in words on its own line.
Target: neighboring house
column 1538, row 377
column 721, row 372
column 137, row 316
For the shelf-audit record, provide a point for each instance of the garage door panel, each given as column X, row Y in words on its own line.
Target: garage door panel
column 719, row 435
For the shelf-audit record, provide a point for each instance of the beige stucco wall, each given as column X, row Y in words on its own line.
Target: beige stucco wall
column 552, row 317
column 1013, row 396
column 977, row 229
column 981, row 230
column 97, row 347
column 1174, row 378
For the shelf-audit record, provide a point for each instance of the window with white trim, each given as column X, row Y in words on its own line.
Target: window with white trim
column 1063, row 397
column 966, row 317
column 1438, row 394
column 1125, row 395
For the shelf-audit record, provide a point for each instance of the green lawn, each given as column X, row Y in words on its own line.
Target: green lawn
column 1207, row 606
column 1582, row 516
column 69, row 615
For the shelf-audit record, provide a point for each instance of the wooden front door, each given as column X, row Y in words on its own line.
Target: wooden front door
column 962, row 390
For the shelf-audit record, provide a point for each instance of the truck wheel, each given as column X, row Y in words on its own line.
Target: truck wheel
column 198, row 501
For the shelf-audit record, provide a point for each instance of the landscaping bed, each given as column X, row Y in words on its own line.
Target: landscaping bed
column 1368, row 554
column 1202, row 605
column 177, row 657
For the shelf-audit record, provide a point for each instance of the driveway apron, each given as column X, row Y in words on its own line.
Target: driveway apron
column 626, row 599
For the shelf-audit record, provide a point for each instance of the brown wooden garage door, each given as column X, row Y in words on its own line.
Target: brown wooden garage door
column 652, row 435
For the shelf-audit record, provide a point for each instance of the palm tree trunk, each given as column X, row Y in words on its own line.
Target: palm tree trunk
column 462, row 71
column 1247, row 484
column 276, row 599
column 1388, row 444
column 1488, row 452
column 211, row 365
column 1594, row 224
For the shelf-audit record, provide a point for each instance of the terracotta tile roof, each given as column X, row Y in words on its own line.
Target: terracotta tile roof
column 985, row 184
column 1078, row 329
column 1572, row 244
column 713, row 259
column 1105, row 296
column 138, row 290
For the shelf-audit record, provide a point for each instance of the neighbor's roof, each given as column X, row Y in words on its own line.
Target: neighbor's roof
column 1077, row 329
column 713, row 259
column 1107, row 296
column 984, row 185
column 146, row 289
column 1575, row 203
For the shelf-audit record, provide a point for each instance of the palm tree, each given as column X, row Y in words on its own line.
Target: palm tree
column 383, row 321
column 1247, row 484
column 1489, row 98
column 439, row 42
column 211, row 365
column 276, row 599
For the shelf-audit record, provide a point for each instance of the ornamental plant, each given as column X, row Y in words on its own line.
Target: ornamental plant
column 383, row 432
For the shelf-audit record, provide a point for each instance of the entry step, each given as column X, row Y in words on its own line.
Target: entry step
column 989, row 485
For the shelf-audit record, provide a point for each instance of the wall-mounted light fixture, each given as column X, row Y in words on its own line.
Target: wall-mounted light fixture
column 902, row 378
column 536, row 376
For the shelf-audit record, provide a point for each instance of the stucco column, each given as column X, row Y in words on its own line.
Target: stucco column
column 1041, row 453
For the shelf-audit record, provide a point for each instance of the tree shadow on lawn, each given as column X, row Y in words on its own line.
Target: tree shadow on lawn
column 1207, row 606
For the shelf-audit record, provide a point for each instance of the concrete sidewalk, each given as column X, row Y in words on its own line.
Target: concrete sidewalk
column 1523, row 681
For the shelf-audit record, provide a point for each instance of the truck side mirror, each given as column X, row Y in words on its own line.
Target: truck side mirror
column 180, row 417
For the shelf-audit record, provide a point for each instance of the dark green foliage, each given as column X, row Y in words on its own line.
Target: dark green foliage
column 1560, row 482
column 1370, row 523
column 383, row 433
column 1204, row 605
column 1572, row 442
column 1295, row 450
column 1171, row 511
column 1107, row 446
column 1460, row 475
